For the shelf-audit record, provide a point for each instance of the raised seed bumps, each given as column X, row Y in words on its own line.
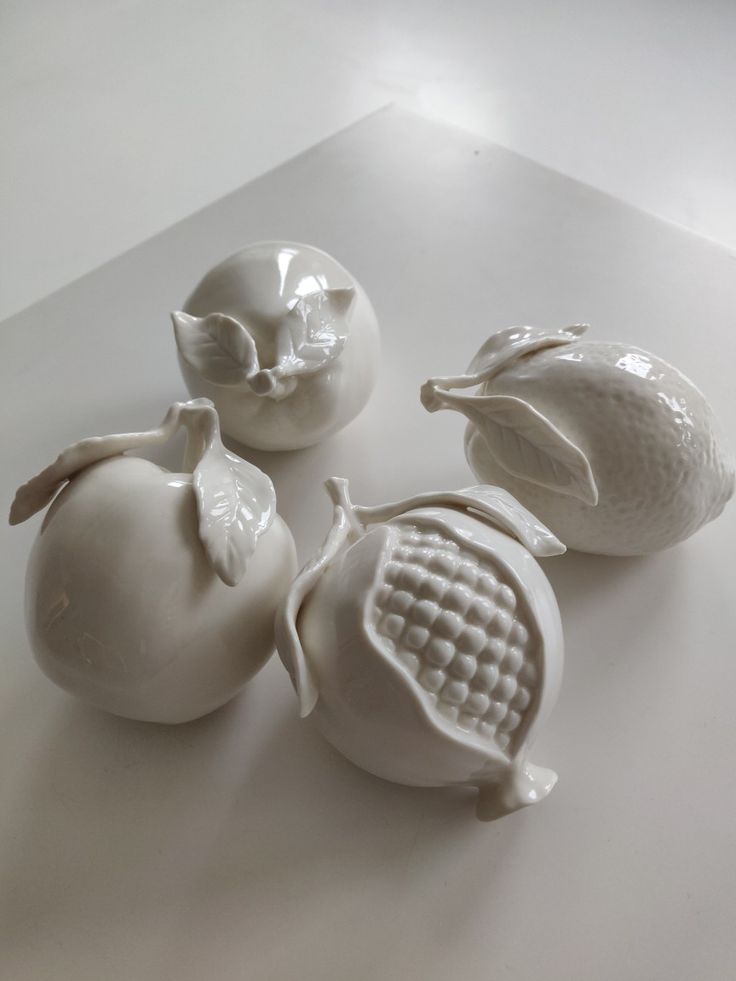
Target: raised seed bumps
column 466, row 646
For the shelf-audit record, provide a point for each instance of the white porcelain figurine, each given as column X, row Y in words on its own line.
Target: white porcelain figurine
column 152, row 594
column 425, row 640
column 283, row 340
column 614, row 449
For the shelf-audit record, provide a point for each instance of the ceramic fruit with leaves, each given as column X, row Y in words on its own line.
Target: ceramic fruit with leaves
column 425, row 641
column 613, row 448
column 148, row 593
column 283, row 340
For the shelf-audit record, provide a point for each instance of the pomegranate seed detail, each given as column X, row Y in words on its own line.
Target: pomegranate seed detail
column 455, row 622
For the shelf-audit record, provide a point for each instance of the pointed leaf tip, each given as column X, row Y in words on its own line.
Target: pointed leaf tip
column 502, row 509
column 341, row 299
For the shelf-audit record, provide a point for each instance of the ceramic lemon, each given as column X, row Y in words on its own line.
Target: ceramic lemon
column 283, row 340
column 614, row 449
column 425, row 641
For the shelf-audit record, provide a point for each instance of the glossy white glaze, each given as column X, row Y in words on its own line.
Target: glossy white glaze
column 283, row 340
column 613, row 448
column 148, row 593
column 426, row 642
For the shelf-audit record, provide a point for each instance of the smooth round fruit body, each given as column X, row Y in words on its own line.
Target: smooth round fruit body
column 123, row 608
column 649, row 435
column 372, row 710
column 258, row 286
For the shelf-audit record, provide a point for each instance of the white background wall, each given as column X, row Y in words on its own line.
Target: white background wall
column 118, row 117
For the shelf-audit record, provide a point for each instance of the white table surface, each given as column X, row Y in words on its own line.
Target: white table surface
column 242, row 846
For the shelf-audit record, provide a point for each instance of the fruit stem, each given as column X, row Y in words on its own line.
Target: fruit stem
column 198, row 417
column 201, row 424
column 338, row 489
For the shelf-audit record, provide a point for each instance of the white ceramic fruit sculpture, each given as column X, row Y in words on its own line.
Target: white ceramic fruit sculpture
column 283, row 340
column 148, row 593
column 425, row 640
column 613, row 448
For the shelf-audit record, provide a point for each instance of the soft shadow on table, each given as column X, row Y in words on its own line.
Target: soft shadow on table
column 582, row 581
column 578, row 578
column 243, row 810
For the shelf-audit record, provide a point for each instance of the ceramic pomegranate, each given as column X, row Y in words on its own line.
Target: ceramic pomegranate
column 426, row 642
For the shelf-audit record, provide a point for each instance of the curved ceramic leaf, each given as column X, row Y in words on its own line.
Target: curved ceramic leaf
column 318, row 329
column 34, row 495
column 512, row 342
column 509, row 515
column 527, row 445
column 308, row 339
column 288, row 643
column 499, row 350
column 217, row 347
column 493, row 503
column 236, row 504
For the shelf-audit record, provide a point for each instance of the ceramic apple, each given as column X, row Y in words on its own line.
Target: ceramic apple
column 283, row 340
column 152, row 594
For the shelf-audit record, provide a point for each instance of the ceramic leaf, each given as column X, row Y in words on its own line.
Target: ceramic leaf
column 315, row 331
column 512, row 342
column 527, row 445
column 287, row 637
column 501, row 348
column 218, row 347
column 34, row 495
column 493, row 503
column 506, row 512
column 235, row 502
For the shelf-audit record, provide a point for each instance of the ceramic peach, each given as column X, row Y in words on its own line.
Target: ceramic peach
column 152, row 594
column 614, row 449
column 425, row 641
column 283, row 340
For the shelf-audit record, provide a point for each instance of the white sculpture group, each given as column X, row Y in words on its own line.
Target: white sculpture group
column 424, row 637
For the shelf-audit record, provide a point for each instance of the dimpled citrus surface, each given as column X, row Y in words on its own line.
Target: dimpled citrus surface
column 647, row 431
column 457, row 625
